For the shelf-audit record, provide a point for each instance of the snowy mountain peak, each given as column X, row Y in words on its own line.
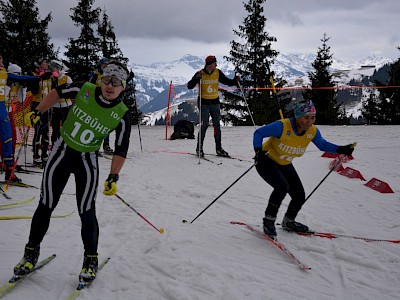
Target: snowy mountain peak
column 153, row 80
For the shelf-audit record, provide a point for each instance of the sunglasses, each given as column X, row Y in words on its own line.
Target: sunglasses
column 111, row 79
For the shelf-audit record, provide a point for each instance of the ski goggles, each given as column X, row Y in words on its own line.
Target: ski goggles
column 113, row 80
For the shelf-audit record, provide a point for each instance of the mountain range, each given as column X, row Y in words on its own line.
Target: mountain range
column 153, row 80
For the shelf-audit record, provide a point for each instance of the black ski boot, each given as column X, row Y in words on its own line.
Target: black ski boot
column 222, row 152
column 37, row 161
column 107, row 149
column 89, row 267
column 28, row 261
column 292, row 225
column 201, row 152
column 269, row 227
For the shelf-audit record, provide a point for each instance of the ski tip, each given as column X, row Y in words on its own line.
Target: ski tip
column 81, row 285
column 14, row 279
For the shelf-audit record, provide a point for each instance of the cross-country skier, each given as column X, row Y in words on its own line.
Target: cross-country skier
column 95, row 112
column 288, row 139
column 210, row 76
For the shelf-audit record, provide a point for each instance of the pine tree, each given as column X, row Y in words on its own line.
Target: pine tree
column 371, row 109
column 391, row 96
column 385, row 108
column 108, row 41
column 24, row 38
column 251, row 60
column 322, row 93
column 83, row 52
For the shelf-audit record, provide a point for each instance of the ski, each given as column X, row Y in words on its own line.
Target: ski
column 194, row 154
column 330, row 235
column 17, row 203
column 277, row 244
column 207, row 159
column 85, row 284
column 20, row 184
column 15, row 279
column 202, row 157
column 230, row 157
column 6, row 218
column 19, row 169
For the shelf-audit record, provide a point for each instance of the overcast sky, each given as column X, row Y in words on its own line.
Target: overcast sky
column 159, row 30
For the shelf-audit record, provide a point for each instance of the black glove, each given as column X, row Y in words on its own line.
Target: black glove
column 261, row 156
column 346, row 150
column 198, row 75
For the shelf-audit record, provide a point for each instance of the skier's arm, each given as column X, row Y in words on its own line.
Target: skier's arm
column 323, row 144
column 273, row 129
column 48, row 101
column 227, row 81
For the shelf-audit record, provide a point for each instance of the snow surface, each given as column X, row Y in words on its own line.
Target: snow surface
column 210, row 258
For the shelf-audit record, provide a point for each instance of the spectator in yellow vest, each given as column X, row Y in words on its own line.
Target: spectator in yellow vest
column 5, row 125
column 41, row 136
column 60, row 109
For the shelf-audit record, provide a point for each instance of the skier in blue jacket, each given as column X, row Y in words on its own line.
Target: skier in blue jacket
column 288, row 139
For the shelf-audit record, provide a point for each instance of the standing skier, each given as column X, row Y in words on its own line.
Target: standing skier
column 288, row 139
column 210, row 76
column 95, row 112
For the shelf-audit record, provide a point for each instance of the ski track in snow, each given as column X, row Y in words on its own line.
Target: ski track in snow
column 211, row 258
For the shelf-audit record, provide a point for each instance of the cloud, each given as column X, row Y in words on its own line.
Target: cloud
column 148, row 31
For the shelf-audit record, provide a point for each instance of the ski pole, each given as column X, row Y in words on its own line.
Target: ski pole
column 16, row 159
column 245, row 101
column 185, row 221
column 161, row 230
column 271, row 79
column 201, row 124
column 4, row 193
column 140, row 137
column 138, row 125
column 330, row 171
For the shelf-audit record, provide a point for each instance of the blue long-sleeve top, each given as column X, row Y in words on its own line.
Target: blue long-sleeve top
column 275, row 129
column 21, row 78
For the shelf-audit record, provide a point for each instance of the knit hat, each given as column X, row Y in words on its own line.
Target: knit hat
column 210, row 60
column 115, row 70
column 102, row 61
column 303, row 108
column 56, row 64
column 13, row 68
column 38, row 62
